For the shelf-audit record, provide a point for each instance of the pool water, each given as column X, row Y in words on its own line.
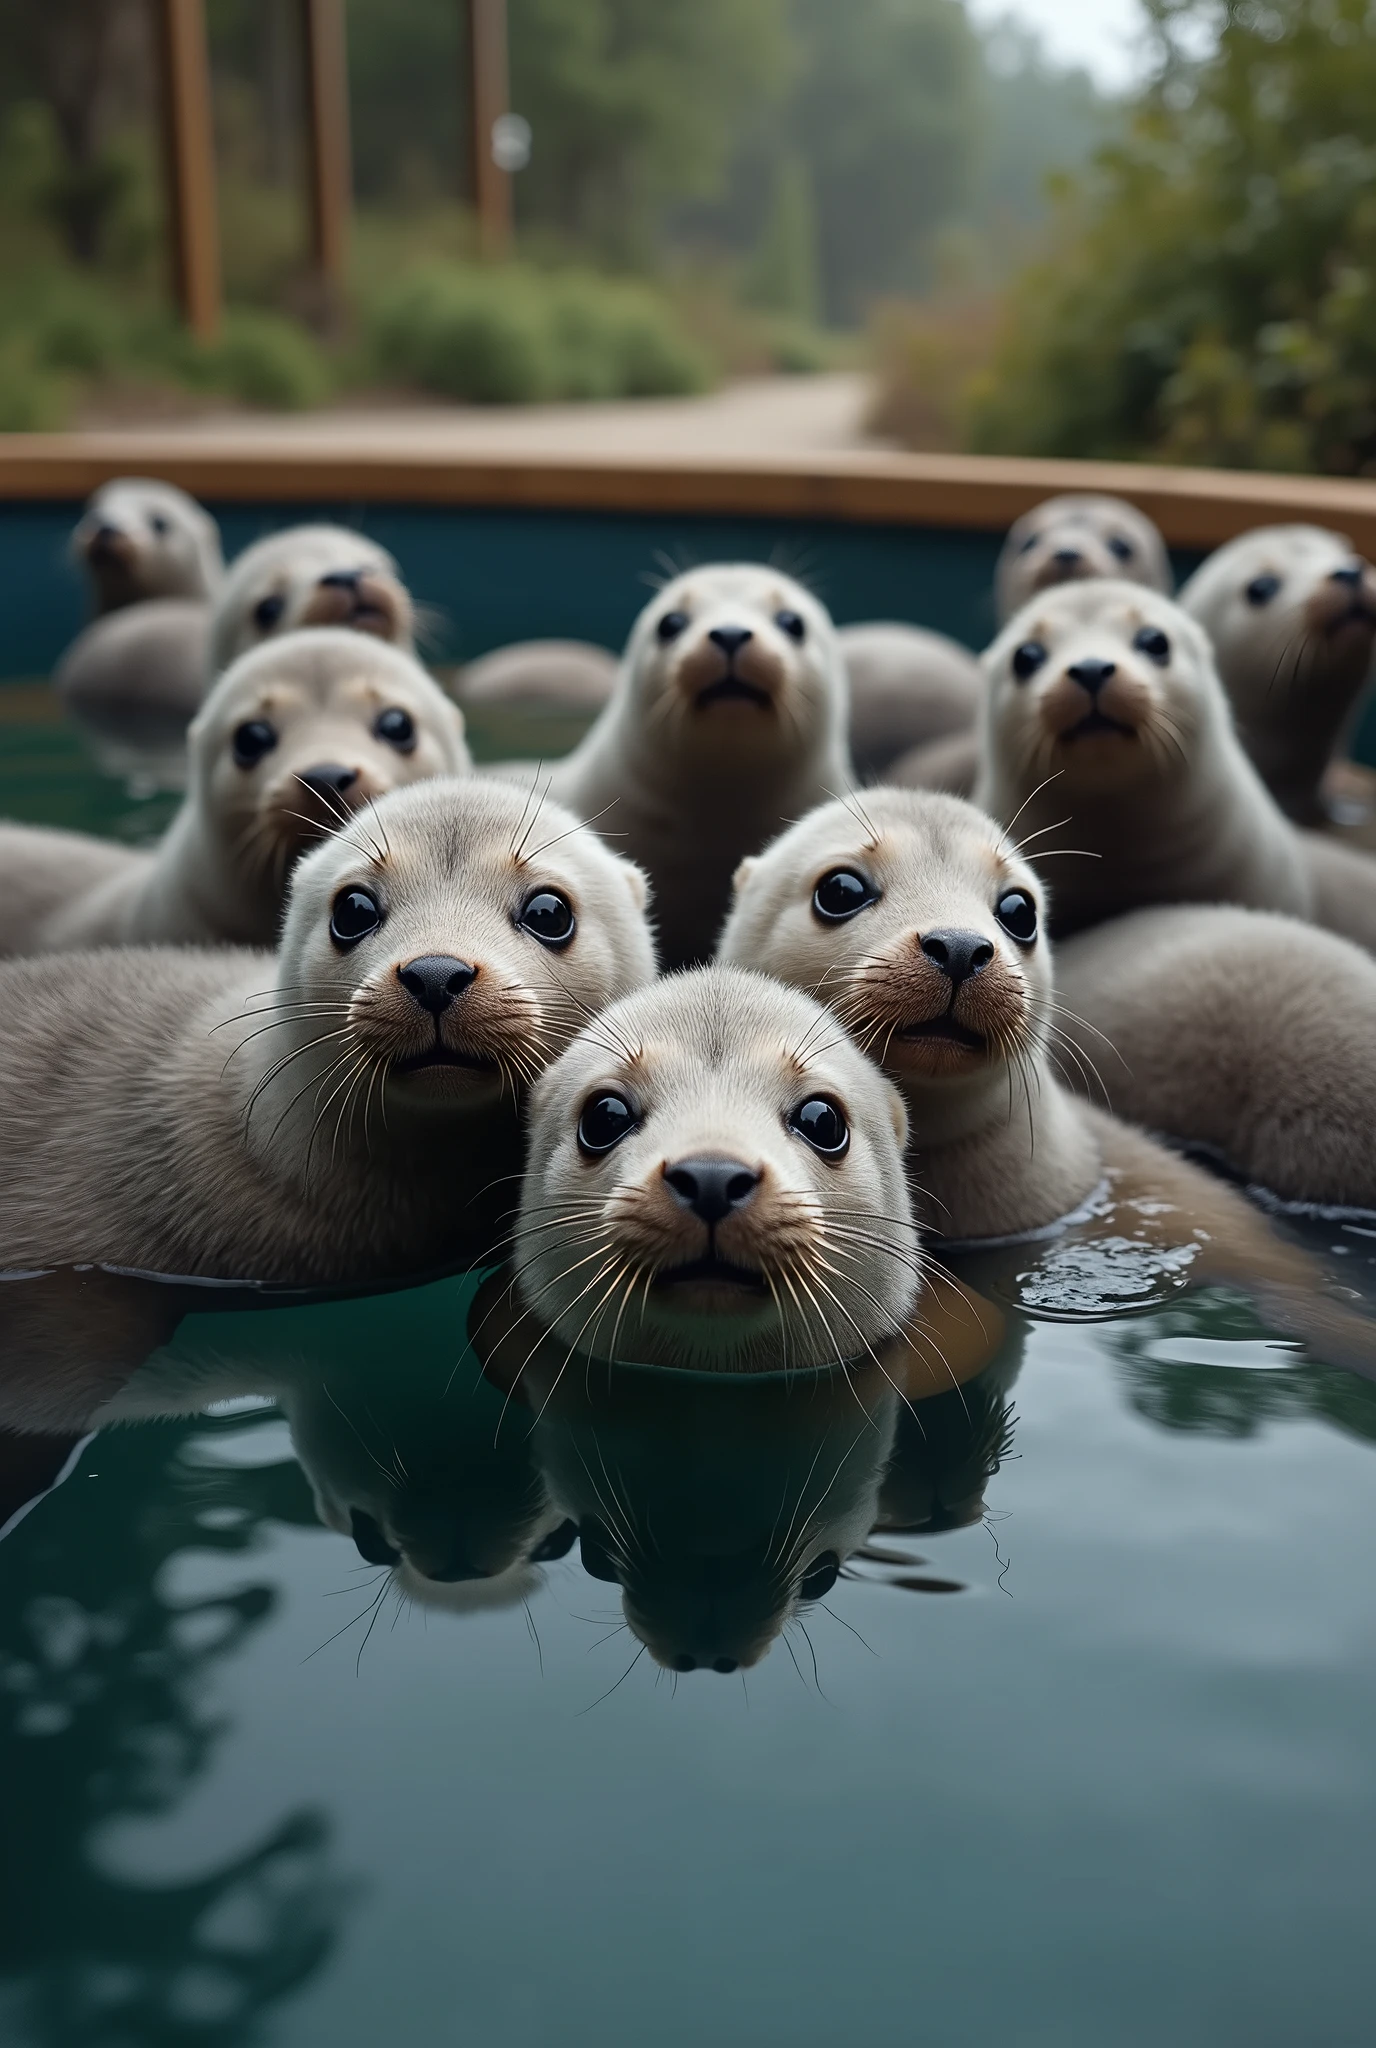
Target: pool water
column 1075, row 1749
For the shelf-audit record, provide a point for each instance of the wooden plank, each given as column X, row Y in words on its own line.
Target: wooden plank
column 327, row 129
column 487, row 98
column 1193, row 507
column 189, row 153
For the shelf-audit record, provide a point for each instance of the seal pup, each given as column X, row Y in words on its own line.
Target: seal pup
column 309, row 576
column 133, row 678
column 1291, row 612
column 296, row 737
column 1076, row 536
column 908, row 687
column 1106, row 717
column 340, row 1112
column 1246, row 1033
column 728, row 718
column 921, row 923
column 714, row 1180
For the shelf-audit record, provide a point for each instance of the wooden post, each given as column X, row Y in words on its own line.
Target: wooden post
column 189, row 149
column 487, row 98
column 327, row 122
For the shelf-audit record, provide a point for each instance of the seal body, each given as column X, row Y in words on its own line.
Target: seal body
column 1077, row 536
column 296, row 738
column 1107, row 731
column 728, row 717
column 571, row 676
column 715, row 1180
column 951, row 764
column 1246, row 1033
column 309, row 576
column 1291, row 612
column 337, row 1111
column 908, row 687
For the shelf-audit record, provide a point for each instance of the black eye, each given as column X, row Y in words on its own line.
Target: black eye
column 671, row 625
column 841, row 893
column 159, row 525
column 820, row 1576
column 548, row 917
column 822, row 1124
column 353, row 915
column 605, row 1121
column 1120, row 549
column 254, row 738
column 1017, row 913
column 268, row 611
column 1027, row 659
column 1262, row 589
column 398, row 728
column 792, row 623
column 1029, row 543
column 1152, row 642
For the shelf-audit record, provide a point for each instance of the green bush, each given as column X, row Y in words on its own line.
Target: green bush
column 80, row 332
column 261, row 358
column 31, row 398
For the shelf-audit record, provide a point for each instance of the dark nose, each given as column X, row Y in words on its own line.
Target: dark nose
column 328, row 779
column 1067, row 558
column 725, row 1664
column 685, row 1663
column 104, row 535
column 712, row 1188
column 454, row 1572
column 341, row 579
column 959, row 955
column 1351, row 575
column 730, row 639
column 1092, row 675
column 434, row 980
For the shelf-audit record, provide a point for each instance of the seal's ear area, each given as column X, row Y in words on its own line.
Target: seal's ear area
column 898, row 1115
column 637, row 881
column 558, row 1543
column 596, row 1561
column 743, row 874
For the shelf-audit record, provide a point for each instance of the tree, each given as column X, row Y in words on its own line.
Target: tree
column 83, row 59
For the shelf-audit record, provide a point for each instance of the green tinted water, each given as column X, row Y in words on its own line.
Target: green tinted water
column 1076, row 1750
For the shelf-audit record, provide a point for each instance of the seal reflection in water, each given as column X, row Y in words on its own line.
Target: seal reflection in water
column 922, row 924
column 1106, row 720
column 294, row 739
column 728, row 718
column 340, row 1111
column 309, row 576
column 1291, row 612
column 715, row 1180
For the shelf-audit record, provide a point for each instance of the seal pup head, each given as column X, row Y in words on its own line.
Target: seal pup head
column 1291, row 611
column 309, row 576
column 1105, row 685
column 138, row 538
column 915, row 918
column 446, row 943
column 301, row 733
column 715, row 1180
column 735, row 656
column 1072, row 538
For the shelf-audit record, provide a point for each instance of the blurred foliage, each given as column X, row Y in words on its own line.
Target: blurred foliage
column 1210, row 292
column 925, row 357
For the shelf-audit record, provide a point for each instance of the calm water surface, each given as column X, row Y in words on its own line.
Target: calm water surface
column 1077, row 1748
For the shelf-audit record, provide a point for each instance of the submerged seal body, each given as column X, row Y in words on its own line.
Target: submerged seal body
column 908, row 687
column 295, row 738
column 728, row 718
column 309, row 576
column 715, row 1181
column 1291, row 612
column 337, row 1111
column 1077, row 536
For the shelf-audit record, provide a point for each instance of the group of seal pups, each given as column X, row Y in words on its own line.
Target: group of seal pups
column 857, row 1053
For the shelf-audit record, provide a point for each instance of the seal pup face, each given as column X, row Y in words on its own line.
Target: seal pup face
column 715, row 1180
column 912, row 914
column 1287, row 607
column 1076, row 537
column 139, row 539
column 298, row 735
column 453, row 937
column 735, row 655
column 1103, row 684
column 309, row 576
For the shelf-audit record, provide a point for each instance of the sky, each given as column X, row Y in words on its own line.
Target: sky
column 1098, row 34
